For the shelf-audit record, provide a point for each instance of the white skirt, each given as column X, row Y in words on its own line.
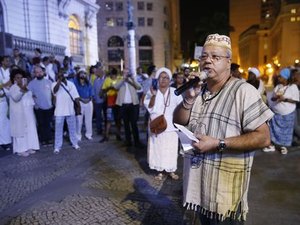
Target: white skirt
column 30, row 138
column 163, row 151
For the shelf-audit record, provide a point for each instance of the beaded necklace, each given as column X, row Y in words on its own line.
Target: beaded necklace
column 207, row 96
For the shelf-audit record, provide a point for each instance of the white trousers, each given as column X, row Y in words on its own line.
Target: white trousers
column 87, row 114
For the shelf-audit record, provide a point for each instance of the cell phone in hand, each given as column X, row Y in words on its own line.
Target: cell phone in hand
column 24, row 81
column 154, row 84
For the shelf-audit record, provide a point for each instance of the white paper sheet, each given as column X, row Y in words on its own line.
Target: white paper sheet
column 186, row 137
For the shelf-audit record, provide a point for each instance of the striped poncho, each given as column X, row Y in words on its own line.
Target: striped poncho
column 218, row 186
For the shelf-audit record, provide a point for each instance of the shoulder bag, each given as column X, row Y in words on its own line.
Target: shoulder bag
column 159, row 124
column 76, row 104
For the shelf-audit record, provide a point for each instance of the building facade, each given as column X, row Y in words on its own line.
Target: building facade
column 275, row 41
column 242, row 15
column 59, row 27
column 157, row 32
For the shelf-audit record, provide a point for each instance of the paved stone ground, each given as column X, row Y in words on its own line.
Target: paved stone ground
column 106, row 184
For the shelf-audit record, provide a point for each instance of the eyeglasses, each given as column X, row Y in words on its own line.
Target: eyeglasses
column 214, row 58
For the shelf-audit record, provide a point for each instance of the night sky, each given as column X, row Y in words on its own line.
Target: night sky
column 191, row 12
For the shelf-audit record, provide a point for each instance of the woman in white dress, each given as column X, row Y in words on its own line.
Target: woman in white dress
column 163, row 147
column 22, row 119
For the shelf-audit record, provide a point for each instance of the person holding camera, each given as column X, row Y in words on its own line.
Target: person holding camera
column 129, row 102
column 112, row 110
column 65, row 93
column 85, row 91
column 162, row 147
column 22, row 119
column 42, row 95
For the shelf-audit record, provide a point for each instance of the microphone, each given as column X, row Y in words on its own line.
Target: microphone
column 191, row 83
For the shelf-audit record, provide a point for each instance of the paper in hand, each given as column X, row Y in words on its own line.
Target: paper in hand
column 186, row 137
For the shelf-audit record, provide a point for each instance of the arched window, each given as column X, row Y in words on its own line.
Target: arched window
column 115, row 41
column 145, row 51
column 115, row 51
column 75, row 35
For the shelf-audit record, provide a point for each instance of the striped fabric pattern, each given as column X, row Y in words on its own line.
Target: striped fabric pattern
column 219, row 186
column 281, row 128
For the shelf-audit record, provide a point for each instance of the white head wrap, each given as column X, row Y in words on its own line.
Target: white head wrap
column 254, row 71
column 161, row 70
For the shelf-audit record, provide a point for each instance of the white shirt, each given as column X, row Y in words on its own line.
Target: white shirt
column 4, row 78
column 289, row 92
column 64, row 105
column 127, row 97
column 50, row 75
column 4, row 75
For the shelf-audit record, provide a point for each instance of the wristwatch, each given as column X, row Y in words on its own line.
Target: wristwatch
column 222, row 146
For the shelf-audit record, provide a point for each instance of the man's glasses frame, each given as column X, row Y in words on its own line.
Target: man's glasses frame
column 213, row 57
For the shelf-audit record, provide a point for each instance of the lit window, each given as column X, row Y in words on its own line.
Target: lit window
column 140, row 5
column 264, row 1
column 119, row 6
column 141, row 21
column 110, row 22
column 267, row 15
column 293, row 19
column 149, row 6
column 293, row 11
column 150, row 22
column 298, row 18
column 109, row 6
column 75, row 36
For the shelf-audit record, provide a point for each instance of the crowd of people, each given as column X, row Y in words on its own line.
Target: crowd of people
column 230, row 116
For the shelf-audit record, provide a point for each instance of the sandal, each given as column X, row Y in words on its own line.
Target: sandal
column 174, row 176
column 159, row 176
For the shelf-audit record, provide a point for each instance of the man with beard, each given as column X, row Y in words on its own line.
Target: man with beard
column 41, row 90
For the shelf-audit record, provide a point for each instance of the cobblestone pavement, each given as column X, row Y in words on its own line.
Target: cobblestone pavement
column 107, row 184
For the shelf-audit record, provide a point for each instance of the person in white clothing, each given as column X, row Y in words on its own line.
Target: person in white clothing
column 85, row 91
column 22, row 119
column 283, row 104
column 5, row 83
column 163, row 147
column 48, row 66
column 254, row 80
column 65, row 94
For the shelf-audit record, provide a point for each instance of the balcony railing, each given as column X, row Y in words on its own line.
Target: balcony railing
column 27, row 46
